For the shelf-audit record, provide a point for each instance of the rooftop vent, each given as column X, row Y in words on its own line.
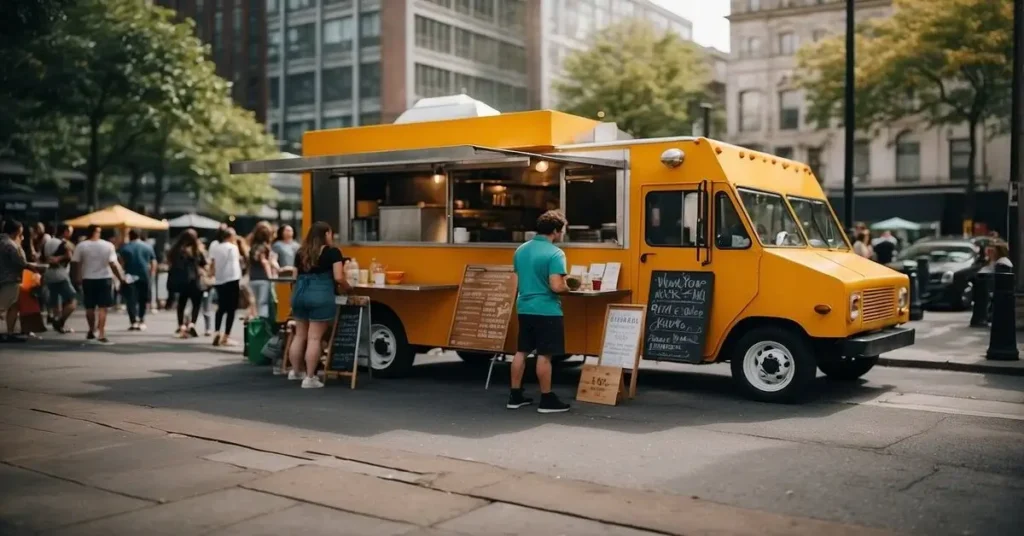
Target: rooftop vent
column 442, row 108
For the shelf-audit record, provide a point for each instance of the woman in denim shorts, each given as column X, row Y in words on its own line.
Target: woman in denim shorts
column 320, row 267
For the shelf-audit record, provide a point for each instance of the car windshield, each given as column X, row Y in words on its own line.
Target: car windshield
column 818, row 223
column 773, row 222
column 940, row 252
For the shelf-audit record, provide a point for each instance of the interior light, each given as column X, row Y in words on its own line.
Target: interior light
column 438, row 178
column 542, row 166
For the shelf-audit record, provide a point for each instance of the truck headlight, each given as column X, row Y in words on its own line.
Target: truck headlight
column 903, row 298
column 947, row 278
column 854, row 306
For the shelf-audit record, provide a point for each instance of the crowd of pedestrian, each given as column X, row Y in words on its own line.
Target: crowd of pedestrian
column 45, row 273
column 885, row 248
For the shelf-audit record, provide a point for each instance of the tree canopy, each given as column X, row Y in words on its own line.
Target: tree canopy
column 945, row 62
column 120, row 87
column 647, row 81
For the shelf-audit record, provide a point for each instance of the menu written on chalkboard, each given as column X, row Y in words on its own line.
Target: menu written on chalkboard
column 678, row 312
column 345, row 342
column 484, row 308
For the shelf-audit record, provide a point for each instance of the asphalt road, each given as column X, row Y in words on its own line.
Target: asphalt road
column 925, row 452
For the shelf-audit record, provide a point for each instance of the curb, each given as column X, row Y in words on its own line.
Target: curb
column 953, row 366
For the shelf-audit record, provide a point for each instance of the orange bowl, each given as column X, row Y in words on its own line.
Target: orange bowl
column 394, row 278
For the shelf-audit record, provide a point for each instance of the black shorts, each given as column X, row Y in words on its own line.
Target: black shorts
column 97, row 293
column 543, row 335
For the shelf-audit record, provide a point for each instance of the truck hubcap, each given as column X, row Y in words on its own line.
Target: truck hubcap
column 768, row 366
column 383, row 347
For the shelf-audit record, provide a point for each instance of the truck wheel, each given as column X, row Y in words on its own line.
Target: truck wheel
column 391, row 355
column 846, row 369
column 773, row 365
column 475, row 358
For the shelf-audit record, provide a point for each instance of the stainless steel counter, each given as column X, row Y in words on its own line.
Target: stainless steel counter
column 600, row 293
column 409, row 287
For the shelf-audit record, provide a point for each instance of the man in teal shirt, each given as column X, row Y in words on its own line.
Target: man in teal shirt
column 540, row 268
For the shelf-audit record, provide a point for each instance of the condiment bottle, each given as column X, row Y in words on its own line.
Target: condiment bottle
column 377, row 272
column 352, row 272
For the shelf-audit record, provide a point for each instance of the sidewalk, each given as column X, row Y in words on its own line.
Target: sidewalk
column 945, row 341
column 74, row 467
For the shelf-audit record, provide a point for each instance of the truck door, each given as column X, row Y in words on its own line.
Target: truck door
column 736, row 258
column 673, row 232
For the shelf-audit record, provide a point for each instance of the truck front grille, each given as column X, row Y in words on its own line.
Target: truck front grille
column 878, row 304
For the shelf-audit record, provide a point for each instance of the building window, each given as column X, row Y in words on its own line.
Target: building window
column 432, row 82
column 442, row 3
column 369, row 80
column 336, row 84
column 751, row 47
column 485, row 90
column 750, row 111
column 512, row 15
column 484, row 10
column 784, row 152
column 464, row 6
column 908, row 158
column 959, row 159
column 463, row 44
column 789, row 110
column 296, row 5
column 433, row 35
column 485, row 50
column 217, row 41
column 293, row 131
column 274, row 46
column 369, row 29
column 338, row 35
column 753, row 5
column 819, row 35
column 272, row 6
column 787, row 43
column 862, row 160
column 369, row 118
column 814, row 161
column 301, row 41
column 301, row 89
column 336, row 122
column 512, row 57
column 274, row 84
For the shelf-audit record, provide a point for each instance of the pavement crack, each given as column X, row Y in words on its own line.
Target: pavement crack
column 916, row 434
column 916, row 481
column 55, row 414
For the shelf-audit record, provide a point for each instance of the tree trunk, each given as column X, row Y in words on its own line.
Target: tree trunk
column 158, row 192
column 969, row 211
column 135, row 187
column 92, row 173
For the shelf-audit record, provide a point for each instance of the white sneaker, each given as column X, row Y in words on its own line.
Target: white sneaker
column 293, row 375
column 312, row 382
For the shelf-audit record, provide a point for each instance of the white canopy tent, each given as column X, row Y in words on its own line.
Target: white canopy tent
column 195, row 221
column 895, row 224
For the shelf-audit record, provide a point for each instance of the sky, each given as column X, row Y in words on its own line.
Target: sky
column 710, row 28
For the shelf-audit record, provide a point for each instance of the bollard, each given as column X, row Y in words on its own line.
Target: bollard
column 982, row 288
column 1002, row 345
column 916, row 307
column 923, row 277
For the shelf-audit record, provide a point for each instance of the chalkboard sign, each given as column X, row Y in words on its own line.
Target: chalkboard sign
column 678, row 312
column 487, row 297
column 350, row 338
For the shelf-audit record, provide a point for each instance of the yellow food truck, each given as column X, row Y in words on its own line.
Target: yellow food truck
column 429, row 195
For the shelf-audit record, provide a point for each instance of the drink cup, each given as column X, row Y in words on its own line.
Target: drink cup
column 596, row 283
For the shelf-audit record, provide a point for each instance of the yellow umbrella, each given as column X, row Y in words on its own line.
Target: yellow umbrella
column 120, row 217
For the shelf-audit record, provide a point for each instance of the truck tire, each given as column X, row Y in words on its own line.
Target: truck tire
column 391, row 355
column 845, row 369
column 772, row 364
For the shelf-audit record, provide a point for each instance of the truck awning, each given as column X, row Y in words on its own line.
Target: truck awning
column 448, row 158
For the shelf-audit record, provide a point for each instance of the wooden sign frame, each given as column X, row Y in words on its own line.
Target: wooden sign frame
column 595, row 381
column 363, row 302
column 634, row 371
column 455, row 311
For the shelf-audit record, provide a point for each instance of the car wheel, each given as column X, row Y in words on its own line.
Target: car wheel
column 391, row 355
column 841, row 368
column 770, row 364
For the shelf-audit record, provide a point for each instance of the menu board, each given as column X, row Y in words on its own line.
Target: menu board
column 678, row 311
column 345, row 340
column 621, row 340
column 484, row 308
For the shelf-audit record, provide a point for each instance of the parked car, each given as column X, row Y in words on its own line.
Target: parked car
column 953, row 263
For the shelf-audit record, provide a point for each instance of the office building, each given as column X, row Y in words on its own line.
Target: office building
column 236, row 32
column 905, row 169
column 338, row 63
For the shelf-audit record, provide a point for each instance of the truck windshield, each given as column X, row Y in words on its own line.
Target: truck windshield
column 816, row 218
column 771, row 219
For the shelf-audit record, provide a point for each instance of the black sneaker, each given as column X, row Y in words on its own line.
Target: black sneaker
column 192, row 332
column 516, row 400
column 549, row 403
column 90, row 336
column 104, row 341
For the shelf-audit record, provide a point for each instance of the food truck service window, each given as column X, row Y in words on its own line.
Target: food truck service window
column 501, row 205
column 592, row 205
column 398, row 207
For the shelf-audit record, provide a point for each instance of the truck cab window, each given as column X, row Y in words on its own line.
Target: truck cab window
column 820, row 226
column 671, row 219
column 773, row 222
column 729, row 230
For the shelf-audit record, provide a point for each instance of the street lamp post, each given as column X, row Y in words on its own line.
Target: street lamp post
column 1015, row 224
column 849, row 117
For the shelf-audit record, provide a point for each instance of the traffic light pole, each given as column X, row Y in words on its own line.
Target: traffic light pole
column 849, row 117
